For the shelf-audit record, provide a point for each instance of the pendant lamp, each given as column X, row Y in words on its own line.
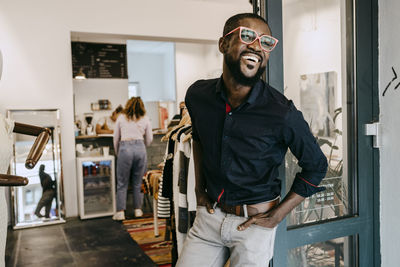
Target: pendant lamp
column 80, row 75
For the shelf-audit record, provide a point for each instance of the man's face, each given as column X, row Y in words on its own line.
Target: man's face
column 246, row 62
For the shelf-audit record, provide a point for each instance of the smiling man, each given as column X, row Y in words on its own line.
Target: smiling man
column 242, row 128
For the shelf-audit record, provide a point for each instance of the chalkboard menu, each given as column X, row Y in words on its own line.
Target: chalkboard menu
column 99, row 60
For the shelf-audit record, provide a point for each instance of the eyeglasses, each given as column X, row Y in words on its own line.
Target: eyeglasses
column 249, row 36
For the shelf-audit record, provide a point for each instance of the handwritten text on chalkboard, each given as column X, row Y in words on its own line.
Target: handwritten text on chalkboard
column 99, row 60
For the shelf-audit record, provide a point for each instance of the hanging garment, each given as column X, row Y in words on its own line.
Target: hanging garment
column 184, row 217
column 151, row 182
column 191, row 184
column 180, row 204
column 190, row 181
column 167, row 170
column 182, row 166
column 169, row 190
column 165, row 186
column 163, row 203
column 6, row 128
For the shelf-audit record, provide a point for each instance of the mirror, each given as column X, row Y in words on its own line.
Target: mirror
column 41, row 201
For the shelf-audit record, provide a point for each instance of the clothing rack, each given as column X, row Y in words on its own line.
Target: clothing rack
column 174, row 184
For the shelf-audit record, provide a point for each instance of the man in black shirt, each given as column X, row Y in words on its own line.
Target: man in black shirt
column 49, row 192
column 242, row 129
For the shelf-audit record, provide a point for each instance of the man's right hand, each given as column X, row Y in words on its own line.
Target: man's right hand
column 204, row 200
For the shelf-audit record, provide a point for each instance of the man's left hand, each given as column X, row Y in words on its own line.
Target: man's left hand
column 273, row 217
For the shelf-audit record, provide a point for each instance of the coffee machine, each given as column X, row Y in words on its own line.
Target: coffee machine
column 89, row 127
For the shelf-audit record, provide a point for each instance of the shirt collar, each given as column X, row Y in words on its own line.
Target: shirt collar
column 219, row 85
column 254, row 92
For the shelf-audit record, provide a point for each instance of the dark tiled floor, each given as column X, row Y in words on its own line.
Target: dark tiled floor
column 87, row 243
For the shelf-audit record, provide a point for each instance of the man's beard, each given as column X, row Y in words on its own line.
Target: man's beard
column 234, row 68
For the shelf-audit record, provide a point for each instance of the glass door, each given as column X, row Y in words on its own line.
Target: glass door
column 96, row 183
column 317, row 65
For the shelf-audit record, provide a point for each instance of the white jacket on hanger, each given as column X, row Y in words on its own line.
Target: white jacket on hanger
column 187, row 200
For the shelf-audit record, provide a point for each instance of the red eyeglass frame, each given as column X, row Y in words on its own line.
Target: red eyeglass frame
column 258, row 38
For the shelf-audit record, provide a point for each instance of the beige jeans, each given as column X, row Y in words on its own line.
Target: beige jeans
column 214, row 239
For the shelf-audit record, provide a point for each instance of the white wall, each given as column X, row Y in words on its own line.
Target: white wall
column 314, row 28
column 148, row 69
column 389, row 56
column 152, row 65
column 190, row 66
column 35, row 41
column 91, row 90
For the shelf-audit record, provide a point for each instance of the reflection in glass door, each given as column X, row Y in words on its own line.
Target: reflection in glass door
column 41, row 201
column 318, row 64
column 335, row 252
column 314, row 52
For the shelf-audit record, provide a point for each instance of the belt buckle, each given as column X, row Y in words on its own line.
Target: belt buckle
column 245, row 214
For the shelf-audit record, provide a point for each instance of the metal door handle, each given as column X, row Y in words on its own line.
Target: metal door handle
column 12, row 180
column 374, row 129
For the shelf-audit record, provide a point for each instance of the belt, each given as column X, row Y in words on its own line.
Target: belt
column 249, row 210
column 130, row 139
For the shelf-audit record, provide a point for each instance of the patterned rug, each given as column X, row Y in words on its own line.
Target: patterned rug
column 142, row 231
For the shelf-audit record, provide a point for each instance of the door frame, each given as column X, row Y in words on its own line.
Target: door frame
column 364, row 102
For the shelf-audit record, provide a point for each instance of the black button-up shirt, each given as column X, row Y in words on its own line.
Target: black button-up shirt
column 243, row 148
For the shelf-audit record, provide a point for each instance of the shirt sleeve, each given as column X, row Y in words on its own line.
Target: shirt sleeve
column 303, row 145
column 148, row 133
column 117, row 135
column 189, row 107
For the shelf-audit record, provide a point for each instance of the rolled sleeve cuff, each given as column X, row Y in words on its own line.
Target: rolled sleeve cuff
column 306, row 187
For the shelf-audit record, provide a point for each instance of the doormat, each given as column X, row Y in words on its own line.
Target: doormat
column 142, row 231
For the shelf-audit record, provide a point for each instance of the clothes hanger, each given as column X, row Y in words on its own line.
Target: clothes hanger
column 178, row 134
column 184, row 121
column 184, row 113
column 187, row 129
column 188, row 135
column 43, row 136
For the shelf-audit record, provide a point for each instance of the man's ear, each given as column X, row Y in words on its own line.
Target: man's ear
column 222, row 45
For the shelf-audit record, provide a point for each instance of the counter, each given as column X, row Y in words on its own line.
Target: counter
column 155, row 151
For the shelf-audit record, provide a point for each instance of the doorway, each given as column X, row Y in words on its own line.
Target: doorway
column 326, row 63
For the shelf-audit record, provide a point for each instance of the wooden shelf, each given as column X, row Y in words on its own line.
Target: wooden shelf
column 94, row 136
